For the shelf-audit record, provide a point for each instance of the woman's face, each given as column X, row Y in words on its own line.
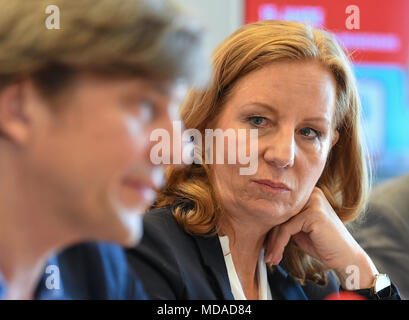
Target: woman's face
column 93, row 158
column 292, row 105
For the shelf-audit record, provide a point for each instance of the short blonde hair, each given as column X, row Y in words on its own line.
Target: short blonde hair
column 121, row 37
column 345, row 178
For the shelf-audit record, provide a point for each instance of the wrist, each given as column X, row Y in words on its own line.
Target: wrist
column 359, row 273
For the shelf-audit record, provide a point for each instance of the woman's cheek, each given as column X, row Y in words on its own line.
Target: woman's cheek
column 136, row 130
column 319, row 150
column 317, row 146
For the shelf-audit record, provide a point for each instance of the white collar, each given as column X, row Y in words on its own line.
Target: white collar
column 264, row 292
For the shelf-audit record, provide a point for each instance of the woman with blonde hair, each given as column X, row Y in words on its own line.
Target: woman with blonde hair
column 215, row 233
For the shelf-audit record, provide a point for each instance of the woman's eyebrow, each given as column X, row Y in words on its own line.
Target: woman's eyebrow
column 319, row 119
column 263, row 105
column 270, row 108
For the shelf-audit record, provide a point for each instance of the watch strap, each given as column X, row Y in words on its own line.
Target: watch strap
column 389, row 293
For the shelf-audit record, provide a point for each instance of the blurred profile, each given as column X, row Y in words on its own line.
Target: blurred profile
column 77, row 105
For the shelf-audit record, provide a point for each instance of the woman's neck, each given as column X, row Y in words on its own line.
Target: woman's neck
column 22, row 255
column 246, row 244
column 29, row 234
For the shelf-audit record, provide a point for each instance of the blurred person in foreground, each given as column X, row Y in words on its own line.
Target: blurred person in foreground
column 77, row 106
column 274, row 233
column 383, row 230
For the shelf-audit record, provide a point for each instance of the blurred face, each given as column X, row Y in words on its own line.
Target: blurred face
column 292, row 106
column 92, row 157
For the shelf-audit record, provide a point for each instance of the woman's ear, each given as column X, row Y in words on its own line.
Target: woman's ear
column 335, row 138
column 13, row 120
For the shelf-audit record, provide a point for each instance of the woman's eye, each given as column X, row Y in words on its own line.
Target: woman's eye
column 146, row 110
column 257, row 121
column 310, row 133
column 143, row 110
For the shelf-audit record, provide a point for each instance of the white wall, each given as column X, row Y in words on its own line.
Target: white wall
column 220, row 17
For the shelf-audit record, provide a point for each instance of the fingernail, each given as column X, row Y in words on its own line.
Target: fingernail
column 277, row 261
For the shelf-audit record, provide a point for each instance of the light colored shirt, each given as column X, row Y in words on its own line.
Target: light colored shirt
column 264, row 292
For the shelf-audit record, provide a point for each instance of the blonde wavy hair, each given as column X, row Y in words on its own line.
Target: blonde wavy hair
column 345, row 179
column 152, row 39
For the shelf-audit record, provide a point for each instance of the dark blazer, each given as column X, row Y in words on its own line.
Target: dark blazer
column 173, row 264
column 91, row 271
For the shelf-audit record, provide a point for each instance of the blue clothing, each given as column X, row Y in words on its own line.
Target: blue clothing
column 88, row 271
column 2, row 287
column 93, row 271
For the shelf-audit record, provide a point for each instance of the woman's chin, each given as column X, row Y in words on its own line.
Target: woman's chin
column 271, row 214
column 133, row 227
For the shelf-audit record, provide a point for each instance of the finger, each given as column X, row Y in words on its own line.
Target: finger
column 283, row 236
column 274, row 249
column 304, row 242
column 268, row 254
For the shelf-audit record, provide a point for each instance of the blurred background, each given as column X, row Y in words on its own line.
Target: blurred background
column 379, row 49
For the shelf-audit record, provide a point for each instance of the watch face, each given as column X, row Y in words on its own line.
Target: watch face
column 381, row 282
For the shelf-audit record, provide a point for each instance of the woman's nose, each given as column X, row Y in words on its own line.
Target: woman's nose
column 170, row 131
column 281, row 149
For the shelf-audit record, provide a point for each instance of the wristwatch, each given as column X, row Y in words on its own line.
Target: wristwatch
column 381, row 288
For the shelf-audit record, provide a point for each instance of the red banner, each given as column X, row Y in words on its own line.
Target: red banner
column 383, row 26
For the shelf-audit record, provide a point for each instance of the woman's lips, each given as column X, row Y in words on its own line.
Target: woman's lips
column 145, row 188
column 138, row 184
column 272, row 186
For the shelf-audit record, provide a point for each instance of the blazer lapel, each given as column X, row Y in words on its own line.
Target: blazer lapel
column 212, row 257
column 283, row 286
